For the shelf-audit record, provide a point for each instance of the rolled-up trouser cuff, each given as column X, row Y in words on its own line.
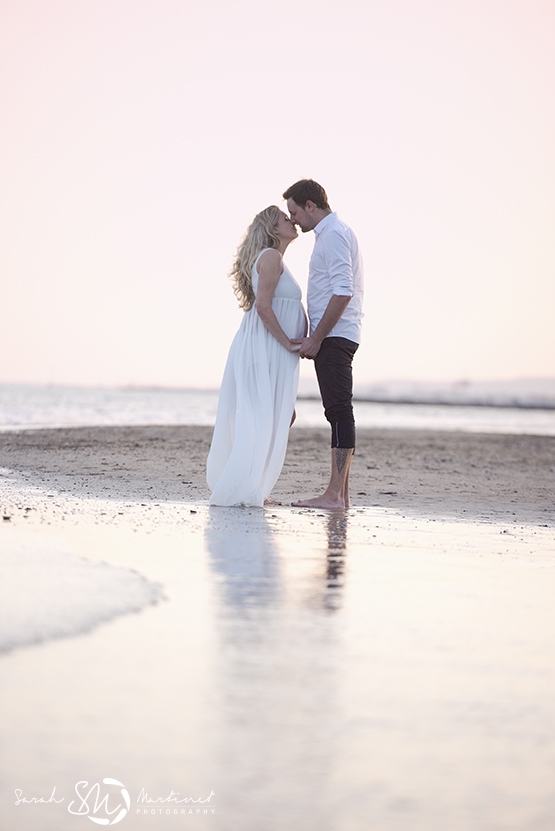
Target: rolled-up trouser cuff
column 343, row 433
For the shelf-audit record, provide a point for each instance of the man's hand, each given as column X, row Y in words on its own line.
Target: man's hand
column 309, row 347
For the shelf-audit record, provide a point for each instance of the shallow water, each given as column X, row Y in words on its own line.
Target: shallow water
column 32, row 406
column 314, row 671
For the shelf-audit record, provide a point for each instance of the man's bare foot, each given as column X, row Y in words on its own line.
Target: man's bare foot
column 326, row 502
column 269, row 502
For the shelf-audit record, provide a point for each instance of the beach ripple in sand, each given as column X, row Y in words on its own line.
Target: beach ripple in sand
column 47, row 592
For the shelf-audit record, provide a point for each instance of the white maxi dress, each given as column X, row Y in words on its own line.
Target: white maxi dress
column 256, row 403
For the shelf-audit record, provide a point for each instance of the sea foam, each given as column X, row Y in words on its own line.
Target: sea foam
column 47, row 592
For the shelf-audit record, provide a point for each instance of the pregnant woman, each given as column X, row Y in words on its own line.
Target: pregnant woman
column 259, row 387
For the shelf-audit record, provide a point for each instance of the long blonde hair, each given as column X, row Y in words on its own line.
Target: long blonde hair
column 259, row 235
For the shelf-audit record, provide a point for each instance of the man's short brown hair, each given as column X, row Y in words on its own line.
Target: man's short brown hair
column 307, row 189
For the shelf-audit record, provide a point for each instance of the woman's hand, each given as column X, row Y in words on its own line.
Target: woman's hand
column 294, row 346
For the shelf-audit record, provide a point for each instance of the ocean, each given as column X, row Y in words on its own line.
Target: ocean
column 426, row 407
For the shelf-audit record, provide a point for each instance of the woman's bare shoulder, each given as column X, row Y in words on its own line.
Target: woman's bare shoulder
column 270, row 257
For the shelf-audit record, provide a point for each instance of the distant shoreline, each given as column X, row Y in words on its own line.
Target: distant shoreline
column 510, row 409
column 520, row 394
column 440, row 403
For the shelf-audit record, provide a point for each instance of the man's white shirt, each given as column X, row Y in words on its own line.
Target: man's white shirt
column 335, row 268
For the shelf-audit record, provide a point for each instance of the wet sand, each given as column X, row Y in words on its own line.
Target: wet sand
column 390, row 667
column 438, row 474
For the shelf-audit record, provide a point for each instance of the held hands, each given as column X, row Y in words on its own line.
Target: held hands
column 308, row 347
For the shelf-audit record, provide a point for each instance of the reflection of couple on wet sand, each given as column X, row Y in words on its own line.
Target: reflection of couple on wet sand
column 259, row 387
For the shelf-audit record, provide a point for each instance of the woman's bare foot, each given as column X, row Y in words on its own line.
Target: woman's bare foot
column 269, row 502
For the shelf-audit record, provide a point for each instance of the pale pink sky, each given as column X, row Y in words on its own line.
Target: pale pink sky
column 140, row 137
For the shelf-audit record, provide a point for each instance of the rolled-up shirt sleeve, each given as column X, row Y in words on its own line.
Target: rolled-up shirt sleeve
column 337, row 256
column 335, row 269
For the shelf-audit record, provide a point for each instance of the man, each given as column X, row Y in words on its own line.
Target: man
column 335, row 292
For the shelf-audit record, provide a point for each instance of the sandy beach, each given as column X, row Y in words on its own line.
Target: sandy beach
column 389, row 667
column 496, row 477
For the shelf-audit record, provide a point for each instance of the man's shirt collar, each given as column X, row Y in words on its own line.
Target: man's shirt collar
column 324, row 223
